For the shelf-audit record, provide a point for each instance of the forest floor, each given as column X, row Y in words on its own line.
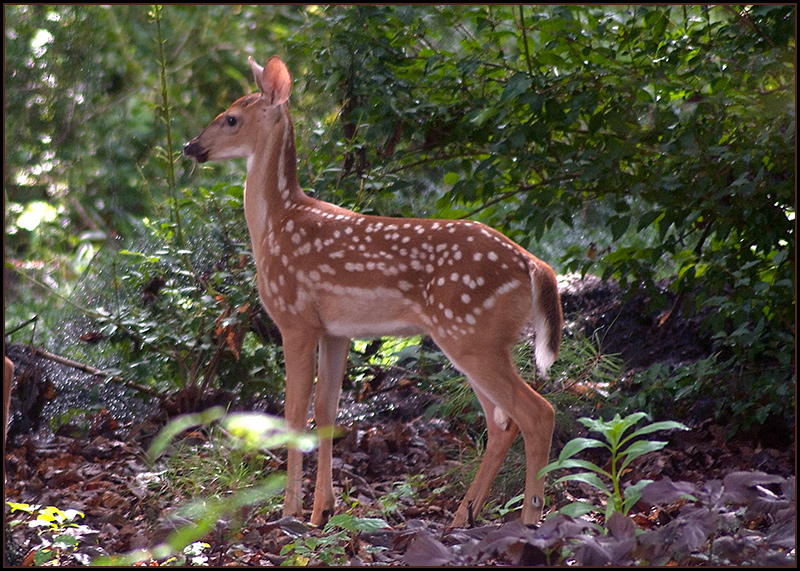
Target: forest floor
column 397, row 465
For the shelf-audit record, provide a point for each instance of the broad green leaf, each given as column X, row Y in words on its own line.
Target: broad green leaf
column 578, row 444
column 577, row 509
column 656, row 426
column 43, row 556
column 587, row 478
column 484, row 115
column 649, row 218
column 451, row 178
column 517, row 84
column 619, row 225
column 65, row 541
column 633, row 494
column 573, row 463
column 639, row 448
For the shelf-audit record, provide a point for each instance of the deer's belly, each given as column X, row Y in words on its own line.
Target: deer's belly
column 365, row 313
column 361, row 330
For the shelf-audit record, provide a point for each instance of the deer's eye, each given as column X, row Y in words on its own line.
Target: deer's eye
column 231, row 120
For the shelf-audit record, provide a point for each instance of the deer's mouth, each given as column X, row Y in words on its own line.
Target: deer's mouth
column 194, row 150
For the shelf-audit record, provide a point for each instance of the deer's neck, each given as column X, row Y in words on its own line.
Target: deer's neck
column 271, row 186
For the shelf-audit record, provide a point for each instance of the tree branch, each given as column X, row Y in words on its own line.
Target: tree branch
column 745, row 19
column 92, row 371
column 522, row 189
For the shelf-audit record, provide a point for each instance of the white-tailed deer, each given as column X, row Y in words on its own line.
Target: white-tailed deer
column 327, row 275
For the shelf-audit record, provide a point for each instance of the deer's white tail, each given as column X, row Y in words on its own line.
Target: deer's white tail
column 546, row 318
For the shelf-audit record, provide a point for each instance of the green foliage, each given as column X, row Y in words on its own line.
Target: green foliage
column 498, row 511
column 674, row 123
column 329, row 548
column 189, row 316
column 662, row 387
column 86, row 103
column 623, row 449
column 401, row 493
column 740, row 398
column 234, row 458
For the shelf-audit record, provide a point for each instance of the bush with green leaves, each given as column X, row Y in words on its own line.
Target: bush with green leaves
column 671, row 122
column 190, row 315
column 746, row 399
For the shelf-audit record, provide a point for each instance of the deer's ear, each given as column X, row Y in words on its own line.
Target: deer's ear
column 258, row 71
column 274, row 80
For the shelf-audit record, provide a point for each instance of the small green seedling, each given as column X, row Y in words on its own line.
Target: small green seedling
column 623, row 448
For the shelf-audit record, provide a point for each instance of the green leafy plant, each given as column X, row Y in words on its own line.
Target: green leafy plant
column 751, row 396
column 187, row 318
column 623, row 448
column 501, row 510
column 401, row 493
column 235, row 454
column 329, row 548
column 663, row 387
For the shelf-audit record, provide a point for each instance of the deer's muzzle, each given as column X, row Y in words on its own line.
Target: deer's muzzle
column 194, row 150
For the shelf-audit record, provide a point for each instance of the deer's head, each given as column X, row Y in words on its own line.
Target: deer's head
column 236, row 132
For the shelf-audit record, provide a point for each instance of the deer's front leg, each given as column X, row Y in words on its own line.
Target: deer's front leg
column 333, row 353
column 299, row 350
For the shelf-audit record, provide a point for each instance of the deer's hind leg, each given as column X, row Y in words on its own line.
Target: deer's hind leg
column 497, row 383
column 502, row 432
